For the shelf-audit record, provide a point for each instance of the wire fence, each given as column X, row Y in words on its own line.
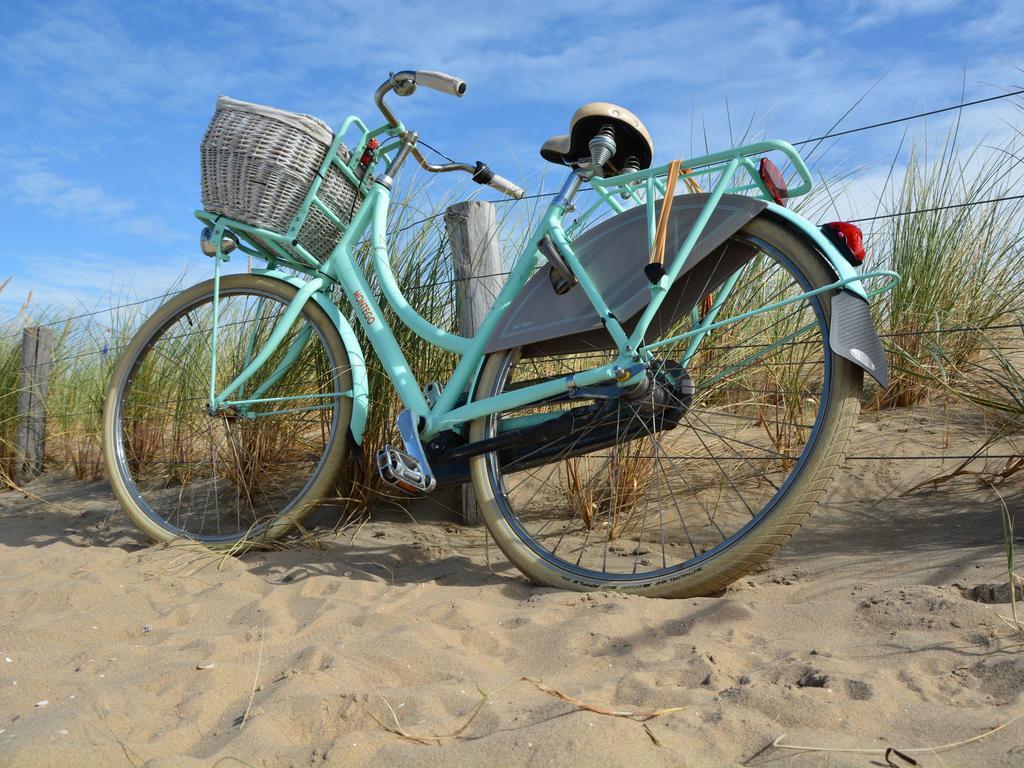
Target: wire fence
column 544, row 195
column 439, row 373
column 110, row 350
column 454, row 280
column 107, row 350
column 89, row 461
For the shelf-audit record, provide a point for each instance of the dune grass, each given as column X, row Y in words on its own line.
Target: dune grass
column 85, row 352
column 961, row 267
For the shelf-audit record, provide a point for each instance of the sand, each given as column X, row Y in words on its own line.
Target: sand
column 867, row 631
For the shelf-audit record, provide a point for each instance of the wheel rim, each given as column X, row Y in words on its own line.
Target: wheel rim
column 218, row 478
column 633, row 499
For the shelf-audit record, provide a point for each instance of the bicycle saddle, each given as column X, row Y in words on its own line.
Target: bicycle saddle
column 632, row 138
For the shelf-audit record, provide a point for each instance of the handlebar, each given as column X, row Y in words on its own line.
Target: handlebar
column 506, row 187
column 439, row 81
column 404, row 84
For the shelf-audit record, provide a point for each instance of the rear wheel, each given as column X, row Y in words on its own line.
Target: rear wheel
column 675, row 512
column 246, row 474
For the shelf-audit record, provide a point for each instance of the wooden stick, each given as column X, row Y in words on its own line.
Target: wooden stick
column 33, row 386
column 661, row 234
column 476, row 256
column 875, row 751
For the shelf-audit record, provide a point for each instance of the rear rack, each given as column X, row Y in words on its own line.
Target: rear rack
column 643, row 186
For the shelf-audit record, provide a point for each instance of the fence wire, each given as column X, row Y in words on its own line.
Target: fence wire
column 106, row 350
column 829, row 135
column 427, row 286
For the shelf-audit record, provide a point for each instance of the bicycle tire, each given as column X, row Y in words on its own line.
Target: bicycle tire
column 265, row 527
column 737, row 555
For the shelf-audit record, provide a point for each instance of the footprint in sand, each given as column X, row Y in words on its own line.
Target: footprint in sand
column 858, row 690
column 993, row 593
column 1001, row 679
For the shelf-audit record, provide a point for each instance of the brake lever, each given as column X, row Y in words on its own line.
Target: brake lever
column 403, row 83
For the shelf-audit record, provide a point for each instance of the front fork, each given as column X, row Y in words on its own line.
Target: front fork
column 221, row 402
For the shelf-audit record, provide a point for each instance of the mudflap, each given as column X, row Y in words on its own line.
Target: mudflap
column 853, row 336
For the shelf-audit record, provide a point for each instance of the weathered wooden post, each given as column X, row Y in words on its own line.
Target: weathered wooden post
column 473, row 233
column 33, row 385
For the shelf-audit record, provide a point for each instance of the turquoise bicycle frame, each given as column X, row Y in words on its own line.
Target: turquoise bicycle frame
column 342, row 269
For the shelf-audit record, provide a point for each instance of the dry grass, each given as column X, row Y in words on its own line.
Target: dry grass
column 961, row 266
column 605, row 491
column 938, row 253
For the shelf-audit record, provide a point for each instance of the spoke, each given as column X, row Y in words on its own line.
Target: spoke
column 526, row 504
column 583, row 546
column 736, row 453
column 566, row 529
column 679, row 512
column 231, row 475
column 700, row 481
column 738, row 417
column 725, row 474
column 643, row 520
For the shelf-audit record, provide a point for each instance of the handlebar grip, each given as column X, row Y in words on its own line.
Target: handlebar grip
column 484, row 175
column 506, row 187
column 439, row 81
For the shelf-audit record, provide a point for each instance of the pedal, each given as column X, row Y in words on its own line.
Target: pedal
column 401, row 470
column 408, row 470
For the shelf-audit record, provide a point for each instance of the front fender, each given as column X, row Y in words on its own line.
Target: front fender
column 356, row 359
column 852, row 334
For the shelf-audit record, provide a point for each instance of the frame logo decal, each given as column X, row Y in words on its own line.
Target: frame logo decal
column 364, row 307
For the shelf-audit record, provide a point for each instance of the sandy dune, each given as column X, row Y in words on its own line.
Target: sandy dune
column 864, row 632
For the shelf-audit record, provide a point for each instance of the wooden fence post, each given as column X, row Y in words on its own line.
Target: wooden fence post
column 476, row 255
column 33, row 385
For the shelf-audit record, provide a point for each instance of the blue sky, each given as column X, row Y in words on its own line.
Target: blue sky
column 103, row 104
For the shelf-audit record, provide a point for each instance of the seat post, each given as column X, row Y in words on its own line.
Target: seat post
column 569, row 188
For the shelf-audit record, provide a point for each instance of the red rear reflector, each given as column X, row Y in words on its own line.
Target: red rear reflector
column 848, row 239
column 773, row 181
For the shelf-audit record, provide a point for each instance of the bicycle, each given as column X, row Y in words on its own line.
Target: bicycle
column 654, row 403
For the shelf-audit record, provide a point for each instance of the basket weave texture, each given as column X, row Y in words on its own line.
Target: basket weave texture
column 257, row 164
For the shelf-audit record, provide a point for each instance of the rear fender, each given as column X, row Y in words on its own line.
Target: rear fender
column 852, row 334
column 543, row 323
column 356, row 359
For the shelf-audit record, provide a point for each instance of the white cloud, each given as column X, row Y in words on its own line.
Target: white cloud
column 865, row 14
column 71, row 283
column 1003, row 20
column 34, row 185
column 528, row 69
column 66, row 198
column 102, row 67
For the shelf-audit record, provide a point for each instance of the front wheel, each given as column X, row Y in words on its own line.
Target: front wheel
column 247, row 473
column 681, row 506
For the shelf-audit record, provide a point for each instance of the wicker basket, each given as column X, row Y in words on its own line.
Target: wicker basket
column 257, row 164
